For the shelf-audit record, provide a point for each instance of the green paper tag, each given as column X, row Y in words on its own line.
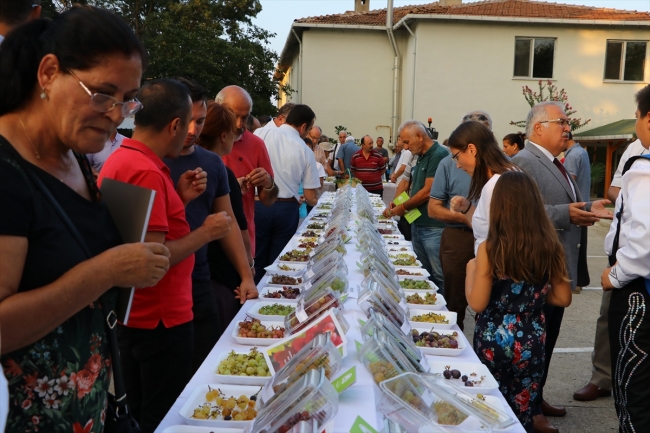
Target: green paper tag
column 411, row 215
column 361, row 322
column 344, row 297
column 361, row 426
column 358, row 345
column 345, row 380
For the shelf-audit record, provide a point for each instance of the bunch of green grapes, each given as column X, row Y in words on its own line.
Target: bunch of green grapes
column 276, row 310
column 430, row 318
column 241, row 364
column 411, row 284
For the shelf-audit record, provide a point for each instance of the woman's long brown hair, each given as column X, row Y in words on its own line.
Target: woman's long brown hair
column 219, row 119
column 488, row 154
column 522, row 243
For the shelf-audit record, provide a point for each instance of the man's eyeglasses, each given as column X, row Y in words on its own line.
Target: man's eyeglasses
column 104, row 103
column 455, row 156
column 562, row 122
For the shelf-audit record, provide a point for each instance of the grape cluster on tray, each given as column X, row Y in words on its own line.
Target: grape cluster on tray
column 218, row 407
column 285, row 292
column 276, row 310
column 284, row 279
column 240, row 364
column 253, row 328
column 456, row 374
column 435, row 340
column 410, row 284
column 429, row 299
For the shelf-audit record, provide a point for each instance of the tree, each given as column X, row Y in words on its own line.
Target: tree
column 212, row 42
column 552, row 94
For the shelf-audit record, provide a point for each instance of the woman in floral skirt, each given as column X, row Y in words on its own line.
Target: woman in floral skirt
column 65, row 85
column 508, row 284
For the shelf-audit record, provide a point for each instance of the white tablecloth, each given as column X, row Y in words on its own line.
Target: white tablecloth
column 360, row 398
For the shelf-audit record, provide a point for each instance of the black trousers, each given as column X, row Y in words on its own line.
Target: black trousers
column 157, row 364
column 553, row 317
column 227, row 305
column 274, row 227
column 456, row 249
column 629, row 339
column 206, row 321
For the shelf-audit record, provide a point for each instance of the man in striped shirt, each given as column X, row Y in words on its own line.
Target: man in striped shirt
column 369, row 166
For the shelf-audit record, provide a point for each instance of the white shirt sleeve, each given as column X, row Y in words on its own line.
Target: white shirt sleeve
column 310, row 179
column 321, row 170
column 404, row 159
column 633, row 255
column 481, row 218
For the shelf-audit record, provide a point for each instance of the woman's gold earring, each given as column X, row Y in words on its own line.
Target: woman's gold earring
column 43, row 95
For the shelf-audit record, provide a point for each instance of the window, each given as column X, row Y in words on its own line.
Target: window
column 534, row 57
column 625, row 60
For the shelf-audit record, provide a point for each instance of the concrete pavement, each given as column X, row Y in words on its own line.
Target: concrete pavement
column 571, row 364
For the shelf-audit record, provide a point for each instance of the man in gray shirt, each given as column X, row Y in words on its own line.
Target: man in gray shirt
column 344, row 154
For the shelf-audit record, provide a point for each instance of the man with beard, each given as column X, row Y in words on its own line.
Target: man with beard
column 215, row 199
column 249, row 158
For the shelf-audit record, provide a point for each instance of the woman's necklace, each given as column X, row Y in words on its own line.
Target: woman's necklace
column 38, row 155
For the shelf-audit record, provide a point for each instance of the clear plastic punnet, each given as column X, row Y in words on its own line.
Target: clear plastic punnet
column 477, row 404
column 311, row 397
column 377, row 322
column 383, row 359
column 333, row 278
column 329, row 262
column 308, row 311
column 418, row 406
column 318, row 353
column 376, row 297
column 391, row 285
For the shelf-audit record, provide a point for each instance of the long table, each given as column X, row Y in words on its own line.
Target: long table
column 360, row 398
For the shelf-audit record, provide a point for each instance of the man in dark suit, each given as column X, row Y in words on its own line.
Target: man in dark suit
column 547, row 129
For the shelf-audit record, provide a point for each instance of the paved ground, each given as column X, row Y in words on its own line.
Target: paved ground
column 571, row 370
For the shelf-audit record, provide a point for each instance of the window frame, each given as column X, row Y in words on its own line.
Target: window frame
column 621, row 72
column 531, row 60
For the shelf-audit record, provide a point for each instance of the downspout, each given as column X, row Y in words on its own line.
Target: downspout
column 299, row 67
column 415, row 63
column 396, row 67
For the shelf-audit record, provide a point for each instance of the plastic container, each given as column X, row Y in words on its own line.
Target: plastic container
column 377, row 321
column 333, row 278
column 418, row 405
column 383, row 359
column 318, row 353
column 308, row 311
column 311, row 397
column 376, row 297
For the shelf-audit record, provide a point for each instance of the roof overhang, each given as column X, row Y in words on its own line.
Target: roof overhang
column 524, row 20
column 623, row 129
column 606, row 137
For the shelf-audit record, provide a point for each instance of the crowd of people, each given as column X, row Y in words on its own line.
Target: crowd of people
column 228, row 191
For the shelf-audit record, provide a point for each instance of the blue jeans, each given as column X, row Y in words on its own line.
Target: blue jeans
column 274, row 227
column 426, row 244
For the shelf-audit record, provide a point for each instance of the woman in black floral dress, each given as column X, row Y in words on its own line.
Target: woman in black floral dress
column 55, row 351
column 507, row 284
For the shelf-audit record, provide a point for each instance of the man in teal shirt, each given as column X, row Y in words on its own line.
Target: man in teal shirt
column 425, row 231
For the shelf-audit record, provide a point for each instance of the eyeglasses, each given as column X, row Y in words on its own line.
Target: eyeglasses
column 562, row 122
column 455, row 157
column 104, row 103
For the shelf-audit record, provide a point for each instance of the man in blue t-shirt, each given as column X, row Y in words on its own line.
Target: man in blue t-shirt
column 215, row 199
column 344, row 154
column 457, row 240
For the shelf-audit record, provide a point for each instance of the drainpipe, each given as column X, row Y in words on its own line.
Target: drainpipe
column 396, row 67
column 299, row 67
column 415, row 63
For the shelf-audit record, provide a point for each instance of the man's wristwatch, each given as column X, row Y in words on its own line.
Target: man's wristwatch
column 272, row 185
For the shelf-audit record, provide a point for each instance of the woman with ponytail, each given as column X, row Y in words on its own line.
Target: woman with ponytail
column 65, row 85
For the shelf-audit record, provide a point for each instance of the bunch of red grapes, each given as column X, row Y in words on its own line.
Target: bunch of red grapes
column 253, row 328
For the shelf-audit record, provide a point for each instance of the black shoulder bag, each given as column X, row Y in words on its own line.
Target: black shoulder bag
column 118, row 416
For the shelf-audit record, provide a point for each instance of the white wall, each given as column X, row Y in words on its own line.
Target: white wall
column 467, row 66
column 348, row 80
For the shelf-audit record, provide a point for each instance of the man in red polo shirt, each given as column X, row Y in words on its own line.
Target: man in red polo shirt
column 156, row 346
column 248, row 158
column 369, row 166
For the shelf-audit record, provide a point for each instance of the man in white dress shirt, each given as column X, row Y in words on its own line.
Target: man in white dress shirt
column 293, row 163
column 14, row 13
column 98, row 159
column 275, row 122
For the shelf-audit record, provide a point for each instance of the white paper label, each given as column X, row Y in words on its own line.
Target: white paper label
column 309, row 274
column 301, row 314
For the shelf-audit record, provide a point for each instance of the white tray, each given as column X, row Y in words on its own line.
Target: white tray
column 254, row 311
column 397, row 249
column 399, row 242
column 488, row 384
column 238, row 380
column 257, row 341
column 194, row 429
column 449, row 315
column 274, row 269
column 439, row 305
column 280, row 300
column 442, row 351
column 394, row 237
column 197, row 398
column 432, row 287
column 425, row 274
